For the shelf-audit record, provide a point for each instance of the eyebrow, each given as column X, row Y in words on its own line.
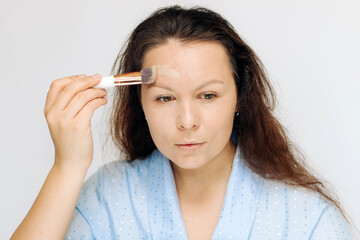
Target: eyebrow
column 212, row 81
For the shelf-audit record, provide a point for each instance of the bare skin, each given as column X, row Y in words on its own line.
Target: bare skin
column 196, row 107
column 69, row 107
column 201, row 203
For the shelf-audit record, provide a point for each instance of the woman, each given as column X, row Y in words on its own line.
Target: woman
column 206, row 157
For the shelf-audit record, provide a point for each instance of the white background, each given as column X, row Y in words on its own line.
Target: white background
column 311, row 50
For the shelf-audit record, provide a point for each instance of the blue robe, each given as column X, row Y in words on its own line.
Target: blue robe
column 138, row 200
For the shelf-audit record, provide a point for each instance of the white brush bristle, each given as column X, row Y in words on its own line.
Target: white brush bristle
column 148, row 75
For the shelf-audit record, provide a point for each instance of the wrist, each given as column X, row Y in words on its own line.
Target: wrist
column 70, row 167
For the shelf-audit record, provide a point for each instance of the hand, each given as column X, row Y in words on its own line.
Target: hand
column 70, row 104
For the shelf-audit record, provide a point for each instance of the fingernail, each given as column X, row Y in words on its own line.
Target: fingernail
column 95, row 75
column 82, row 76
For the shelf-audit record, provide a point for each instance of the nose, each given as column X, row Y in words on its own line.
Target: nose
column 187, row 117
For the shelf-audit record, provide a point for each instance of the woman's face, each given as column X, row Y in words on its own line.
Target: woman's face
column 190, row 116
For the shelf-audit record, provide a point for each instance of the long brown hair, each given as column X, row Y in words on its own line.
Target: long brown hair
column 263, row 141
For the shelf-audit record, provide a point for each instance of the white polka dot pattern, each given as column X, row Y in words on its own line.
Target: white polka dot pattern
column 138, row 200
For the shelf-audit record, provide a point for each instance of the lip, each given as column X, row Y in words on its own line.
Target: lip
column 192, row 146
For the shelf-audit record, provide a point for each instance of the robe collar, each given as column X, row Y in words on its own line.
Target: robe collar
column 238, row 211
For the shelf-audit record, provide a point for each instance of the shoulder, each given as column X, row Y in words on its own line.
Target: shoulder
column 282, row 195
column 331, row 223
column 119, row 174
column 301, row 210
column 115, row 195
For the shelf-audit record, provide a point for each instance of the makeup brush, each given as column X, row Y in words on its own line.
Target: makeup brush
column 145, row 76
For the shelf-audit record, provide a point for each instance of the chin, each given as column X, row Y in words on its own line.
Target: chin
column 188, row 163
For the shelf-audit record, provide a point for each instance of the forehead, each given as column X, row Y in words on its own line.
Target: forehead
column 197, row 63
column 190, row 57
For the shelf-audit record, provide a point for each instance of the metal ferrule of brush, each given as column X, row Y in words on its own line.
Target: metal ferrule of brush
column 120, row 81
column 145, row 76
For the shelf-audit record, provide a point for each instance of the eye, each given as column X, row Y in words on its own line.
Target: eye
column 208, row 96
column 165, row 98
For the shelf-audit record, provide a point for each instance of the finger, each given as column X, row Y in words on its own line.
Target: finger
column 81, row 99
column 56, row 87
column 73, row 88
column 88, row 110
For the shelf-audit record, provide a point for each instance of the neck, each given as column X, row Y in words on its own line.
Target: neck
column 208, row 178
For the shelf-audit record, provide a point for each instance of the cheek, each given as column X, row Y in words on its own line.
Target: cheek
column 159, row 124
column 220, row 121
column 222, row 112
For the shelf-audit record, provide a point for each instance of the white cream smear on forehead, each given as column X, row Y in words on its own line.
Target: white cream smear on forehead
column 165, row 70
